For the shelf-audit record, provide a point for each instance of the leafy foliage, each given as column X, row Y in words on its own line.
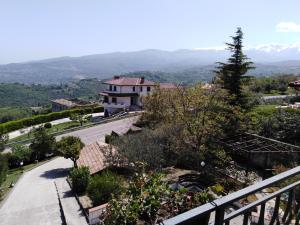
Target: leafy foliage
column 15, row 94
column 42, row 144
column 148, row 198
column 20, row 154
column 70, row 147
column 230, row 74
column 47, row 125
column 3, row 140
column 38, row 119
column 197, row 118
column 101, row 187
column 80, row 178
column 3, row 167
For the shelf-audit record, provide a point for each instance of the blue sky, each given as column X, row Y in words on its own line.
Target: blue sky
column 38, row 29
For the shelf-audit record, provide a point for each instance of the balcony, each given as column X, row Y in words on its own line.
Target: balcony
column 280, row 206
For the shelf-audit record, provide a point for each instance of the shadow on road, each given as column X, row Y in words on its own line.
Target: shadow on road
column 56, row 173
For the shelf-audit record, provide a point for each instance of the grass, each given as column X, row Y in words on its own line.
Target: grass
column 53, row 129
column 13, row 176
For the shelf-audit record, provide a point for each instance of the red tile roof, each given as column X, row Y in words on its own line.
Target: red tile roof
column 295, row 83
column 129, row 81
column 93, row 156
column 167, row 85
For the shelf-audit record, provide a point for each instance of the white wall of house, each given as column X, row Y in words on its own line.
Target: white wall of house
column 124, row 100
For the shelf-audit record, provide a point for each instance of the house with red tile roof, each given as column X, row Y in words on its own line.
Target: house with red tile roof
column 126, row 93
column 94, row 156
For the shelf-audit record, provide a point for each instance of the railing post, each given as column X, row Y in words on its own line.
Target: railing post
column 261, row 220
column 246, row 218
column 219, row 219
column 276, row 210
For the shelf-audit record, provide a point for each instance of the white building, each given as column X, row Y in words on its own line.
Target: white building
column 126, row 93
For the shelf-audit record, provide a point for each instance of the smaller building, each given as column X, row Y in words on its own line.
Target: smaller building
column 64, row 104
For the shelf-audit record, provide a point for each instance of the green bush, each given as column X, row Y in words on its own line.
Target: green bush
column 20, row 153
column 48, row 125
column 44, row 118
column 80, row 178
column 3, row 167
column 102, row 187
column 109, row 138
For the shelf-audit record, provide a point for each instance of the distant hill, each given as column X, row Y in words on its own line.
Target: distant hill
column 22, row 95
column 181, row 64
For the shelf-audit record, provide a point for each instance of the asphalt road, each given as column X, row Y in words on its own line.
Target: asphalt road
column 34, row 199
column 92, row 134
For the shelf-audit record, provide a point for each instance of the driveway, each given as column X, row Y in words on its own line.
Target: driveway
column 34, row 199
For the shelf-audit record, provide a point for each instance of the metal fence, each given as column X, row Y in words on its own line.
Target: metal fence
column 285, row 209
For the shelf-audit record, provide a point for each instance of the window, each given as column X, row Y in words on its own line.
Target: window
column 110, row 87
column 141, row 88
column 114, row 100
column 115, row 88
column 133, row 89
column 148, row 89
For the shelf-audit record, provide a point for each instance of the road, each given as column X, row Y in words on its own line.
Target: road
column 26, row 130
column 34, row 199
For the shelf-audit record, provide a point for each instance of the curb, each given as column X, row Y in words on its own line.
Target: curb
column 79, row 203
column 64, row 222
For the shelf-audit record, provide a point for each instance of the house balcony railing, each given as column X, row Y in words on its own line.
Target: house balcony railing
column 273, row 208
column 115, row 105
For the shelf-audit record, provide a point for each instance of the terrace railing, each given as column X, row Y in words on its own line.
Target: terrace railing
column 285, row 208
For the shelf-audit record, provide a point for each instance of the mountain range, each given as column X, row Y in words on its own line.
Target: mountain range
column 198, row 63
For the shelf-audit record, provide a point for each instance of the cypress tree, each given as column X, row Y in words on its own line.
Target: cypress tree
column 231, row 73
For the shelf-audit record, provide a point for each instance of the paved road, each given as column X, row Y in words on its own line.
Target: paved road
column 34, row 200
column 92, row 134
column 26, row 130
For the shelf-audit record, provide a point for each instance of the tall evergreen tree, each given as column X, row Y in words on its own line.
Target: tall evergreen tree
column 231, row 73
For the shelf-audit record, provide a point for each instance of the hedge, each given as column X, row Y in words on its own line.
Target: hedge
column 44, row 118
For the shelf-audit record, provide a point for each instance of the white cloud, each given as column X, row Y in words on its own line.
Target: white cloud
column 287, row 27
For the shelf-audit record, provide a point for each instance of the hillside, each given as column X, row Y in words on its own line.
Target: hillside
column 179, row 64
column 21, row 95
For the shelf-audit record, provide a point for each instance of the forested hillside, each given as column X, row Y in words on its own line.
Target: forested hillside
column 37, row 95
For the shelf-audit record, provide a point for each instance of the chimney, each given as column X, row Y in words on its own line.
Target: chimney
column 116, row 77
column 142, row 80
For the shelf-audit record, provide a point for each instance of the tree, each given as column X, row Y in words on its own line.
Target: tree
column 20, row 154
column 42, row 144
column 197, row 117
column 79, row 118
column 70, row 147
column 231, row 74
column 3, row 141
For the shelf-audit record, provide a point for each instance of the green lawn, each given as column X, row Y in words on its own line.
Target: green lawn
column 53, row 129
column 13, row 176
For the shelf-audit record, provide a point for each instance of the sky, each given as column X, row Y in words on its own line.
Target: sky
column 40, row 29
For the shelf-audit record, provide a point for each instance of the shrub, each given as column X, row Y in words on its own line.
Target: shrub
column 102, row 187
column 80, row 178
column 43, row 118
column 109, row 138
column 48, row 125
column 3, row 167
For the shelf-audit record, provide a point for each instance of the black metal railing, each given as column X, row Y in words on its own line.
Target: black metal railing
column 285, row 208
